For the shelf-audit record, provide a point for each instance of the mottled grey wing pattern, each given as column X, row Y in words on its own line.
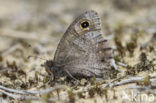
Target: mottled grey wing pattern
column 83, row 51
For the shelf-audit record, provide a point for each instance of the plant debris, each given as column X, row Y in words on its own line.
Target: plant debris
column 34, row 28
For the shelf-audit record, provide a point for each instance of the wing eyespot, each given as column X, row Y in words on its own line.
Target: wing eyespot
column 84, row 25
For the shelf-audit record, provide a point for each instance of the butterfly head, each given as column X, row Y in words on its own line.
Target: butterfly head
column 53, row 68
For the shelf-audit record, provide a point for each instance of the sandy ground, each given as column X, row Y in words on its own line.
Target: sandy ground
column 34, row 28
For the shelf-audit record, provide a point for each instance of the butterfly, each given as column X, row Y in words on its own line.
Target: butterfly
column 82, row 51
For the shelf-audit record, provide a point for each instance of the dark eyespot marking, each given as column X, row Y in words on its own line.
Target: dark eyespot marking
column 85, row 24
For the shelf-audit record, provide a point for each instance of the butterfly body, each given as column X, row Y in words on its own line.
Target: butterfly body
column 82, row 51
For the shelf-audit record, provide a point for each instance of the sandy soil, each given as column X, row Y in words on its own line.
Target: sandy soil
column 34, row 28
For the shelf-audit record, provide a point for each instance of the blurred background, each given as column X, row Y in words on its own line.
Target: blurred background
column 39, row 18
column 46, row 20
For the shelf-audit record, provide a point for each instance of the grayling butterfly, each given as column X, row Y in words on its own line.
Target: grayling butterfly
column 82, row 51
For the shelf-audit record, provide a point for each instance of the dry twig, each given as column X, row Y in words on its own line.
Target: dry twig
column 15, row 96
column 23, row 35
column 10, row 49
column 23, row 94
column 130, row 80
column 26, row 92
column 145, row 88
